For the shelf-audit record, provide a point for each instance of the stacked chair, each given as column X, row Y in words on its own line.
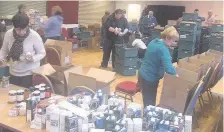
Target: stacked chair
column 126, row 59
column 216, row 38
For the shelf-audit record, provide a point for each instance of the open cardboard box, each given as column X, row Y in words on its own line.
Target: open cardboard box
column 200, row 63
column 58, row 76
column 64, row 49
column 175, row 92
column 188, row 75
column 190, row 67
column 94, row 79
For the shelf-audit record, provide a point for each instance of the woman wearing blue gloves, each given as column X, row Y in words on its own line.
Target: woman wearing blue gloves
column 156, row 62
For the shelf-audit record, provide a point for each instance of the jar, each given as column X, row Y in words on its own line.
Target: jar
column 42, row 85
column 20, row 96
column 36, row 94
column 5, row 82
column 42, row 93
column 47, row 92
column 37, row 87
column 12, row 96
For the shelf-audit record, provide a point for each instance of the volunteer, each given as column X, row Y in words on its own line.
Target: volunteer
column 22, row 9
column 52, row 28
column 200, row 19
column 156, row 62
column 115, row 27
column 104, row 19
column 148, row 23
column 211, row 19
column 24, row 49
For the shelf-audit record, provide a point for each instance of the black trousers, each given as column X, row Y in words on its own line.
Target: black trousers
column 141, row 53
column 109, row 46
column 149, row 91
column 24, row 81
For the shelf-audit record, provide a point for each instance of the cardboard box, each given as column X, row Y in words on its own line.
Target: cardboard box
column 64, row 48
column 57, row 75
column 175, row 92
column 92, row 43
column 188, row 75
column 94, row 79
column 94, row 29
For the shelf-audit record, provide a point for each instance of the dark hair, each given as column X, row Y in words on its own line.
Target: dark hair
column 21, row 6
column 118, row 11
column 20, row 21
column 107, row 13
column 196, row 10
column 124, row 11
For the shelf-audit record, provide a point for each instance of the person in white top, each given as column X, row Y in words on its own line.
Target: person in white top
column 23, row 48
column 211, row 19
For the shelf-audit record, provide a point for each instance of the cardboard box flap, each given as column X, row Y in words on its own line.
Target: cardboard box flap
column 46, row 69
column 101, row 75
column 76, row 70
column 197, row 61
column 81, row 80
column 215, row 52
column 185, row 74
column 64, row 45
column 188, row 66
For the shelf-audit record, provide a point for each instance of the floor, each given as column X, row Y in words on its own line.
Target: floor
column 92, row 58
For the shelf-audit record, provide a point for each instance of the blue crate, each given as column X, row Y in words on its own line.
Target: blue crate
column 187, row 45
column 4, row 71
column 125, row 51
column 187, row 36
column 190, row 16
column 182, row 53
column 139, row 63
column 218, row 47
column 214, row 39
column 188, row 27
column 155, row 33
column 128, row 61
column 125, row 70
column 217, row 28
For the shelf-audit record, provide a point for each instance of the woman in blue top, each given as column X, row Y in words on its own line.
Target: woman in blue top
column 52, row 28
column 156, row 62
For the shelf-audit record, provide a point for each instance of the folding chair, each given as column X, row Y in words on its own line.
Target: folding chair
column 205, row 80
column 190, row 109
column 52, row 56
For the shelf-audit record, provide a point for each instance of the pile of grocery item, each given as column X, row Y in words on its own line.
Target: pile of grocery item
column 93, row 113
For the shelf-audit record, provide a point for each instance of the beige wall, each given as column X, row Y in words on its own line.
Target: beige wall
column 91, row 12
column 203, row 6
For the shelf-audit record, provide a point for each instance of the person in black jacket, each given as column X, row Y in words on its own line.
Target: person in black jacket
column 116, row 27
column 21, row 9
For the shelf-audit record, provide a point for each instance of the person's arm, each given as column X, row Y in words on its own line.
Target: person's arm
column 4, row 50
column 126, row 27
column 155, row 21
column 48, row 24
column 166, row 61
column 108, row 25
column 39, row 49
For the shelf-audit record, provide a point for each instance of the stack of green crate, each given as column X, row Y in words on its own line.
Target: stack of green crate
column 205, row 43
column 187, row 43
column 216, row 38
column 155, row 33
column 126, row 60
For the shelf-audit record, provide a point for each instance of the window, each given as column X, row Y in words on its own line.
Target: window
column 134, row 11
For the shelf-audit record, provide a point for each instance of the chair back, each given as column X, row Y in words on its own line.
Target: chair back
column 38, row 79
column 64, row 33
column 206, row 79
column 193, row 100
column 52, row 56
column 213, row 76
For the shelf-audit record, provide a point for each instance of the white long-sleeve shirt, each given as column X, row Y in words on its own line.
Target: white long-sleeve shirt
column 139, row 43
column 33, row 44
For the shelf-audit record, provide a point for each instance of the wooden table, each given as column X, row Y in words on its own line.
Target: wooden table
column 15, row 124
